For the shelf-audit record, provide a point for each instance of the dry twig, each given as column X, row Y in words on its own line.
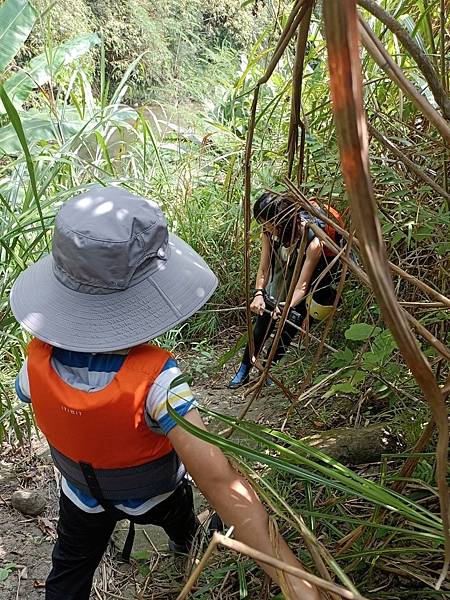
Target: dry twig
column 261, row 557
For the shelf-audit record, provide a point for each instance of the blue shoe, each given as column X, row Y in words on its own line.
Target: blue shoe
column 241, row 377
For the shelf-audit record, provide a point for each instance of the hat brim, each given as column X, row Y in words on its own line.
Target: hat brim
column 106, row 322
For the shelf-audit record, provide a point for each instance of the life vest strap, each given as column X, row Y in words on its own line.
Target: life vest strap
column 128, row 546
column 96, row 492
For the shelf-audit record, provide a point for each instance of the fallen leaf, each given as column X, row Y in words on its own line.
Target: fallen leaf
column 47, row 527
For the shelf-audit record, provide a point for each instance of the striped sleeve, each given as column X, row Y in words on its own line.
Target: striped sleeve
column 162, row 391
column 22, row 384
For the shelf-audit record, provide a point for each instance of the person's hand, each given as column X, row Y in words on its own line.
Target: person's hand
column 258, row 305
column 276, row 313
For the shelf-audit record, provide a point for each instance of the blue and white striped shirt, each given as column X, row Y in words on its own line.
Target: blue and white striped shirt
column 93, row 372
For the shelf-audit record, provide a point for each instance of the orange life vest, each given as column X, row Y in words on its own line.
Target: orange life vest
column 106, row 428
column 329, row 210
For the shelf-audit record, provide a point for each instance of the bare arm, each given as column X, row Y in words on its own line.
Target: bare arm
column 235, row 501
column 258, row 305
column 262, row 276
column 313, row 254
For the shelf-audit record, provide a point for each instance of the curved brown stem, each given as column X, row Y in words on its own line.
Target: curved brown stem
column 296, row 94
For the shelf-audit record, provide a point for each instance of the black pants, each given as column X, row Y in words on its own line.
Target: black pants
column 83, row 538
column 264, row 324
column 262, row 329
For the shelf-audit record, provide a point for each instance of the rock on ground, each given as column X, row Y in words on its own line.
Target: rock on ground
column 29, row 502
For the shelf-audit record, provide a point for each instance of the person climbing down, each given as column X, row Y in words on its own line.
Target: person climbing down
column 114, row 280
column 282, row 228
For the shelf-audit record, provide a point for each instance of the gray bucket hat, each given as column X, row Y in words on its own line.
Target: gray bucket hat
column 115, row 278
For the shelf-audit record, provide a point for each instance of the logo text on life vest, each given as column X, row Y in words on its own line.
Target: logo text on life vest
column 71, row 411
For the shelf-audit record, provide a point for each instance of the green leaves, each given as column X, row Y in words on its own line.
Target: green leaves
column 17, row 18
column 243, row 589
column 6, row 571
column 231, row 353
column 372, row 360
column 344, row 388
column 382, row 348
column 17, row 124
column 44, row 130
column 361, row 331
column 39, row 128
column 286, row 454
column 342, row 358
column 141, row 555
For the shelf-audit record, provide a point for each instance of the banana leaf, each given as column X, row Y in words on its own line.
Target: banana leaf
column 43, row 68
column 17, row 18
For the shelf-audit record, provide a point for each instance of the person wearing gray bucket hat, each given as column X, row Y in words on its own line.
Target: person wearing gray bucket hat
column 112, row 262
column 114, row 280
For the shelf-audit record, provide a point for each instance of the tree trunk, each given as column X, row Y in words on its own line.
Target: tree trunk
column 357, row 446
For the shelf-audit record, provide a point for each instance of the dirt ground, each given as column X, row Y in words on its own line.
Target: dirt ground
column 26, row 542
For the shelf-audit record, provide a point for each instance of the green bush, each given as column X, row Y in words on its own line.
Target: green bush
column 226, row 21
column 57, row 24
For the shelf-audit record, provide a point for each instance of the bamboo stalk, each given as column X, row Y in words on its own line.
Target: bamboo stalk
column 302, row 330
column 408, row 162
column 289, row 395
column 299, row 10
column 261, row 557
column 296, row 95
column 328, row 325
column 407, row 470
column 442, row 22
column 286, row 308
column 429, row 26
column 256, row 389
column 428, row 305
column 317, row 550
column 395, row 268
column 212, row 547
column 444, row 76
column 361, row 274
column 247, row 215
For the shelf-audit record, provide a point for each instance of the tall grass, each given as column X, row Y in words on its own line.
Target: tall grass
column 300, row 482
